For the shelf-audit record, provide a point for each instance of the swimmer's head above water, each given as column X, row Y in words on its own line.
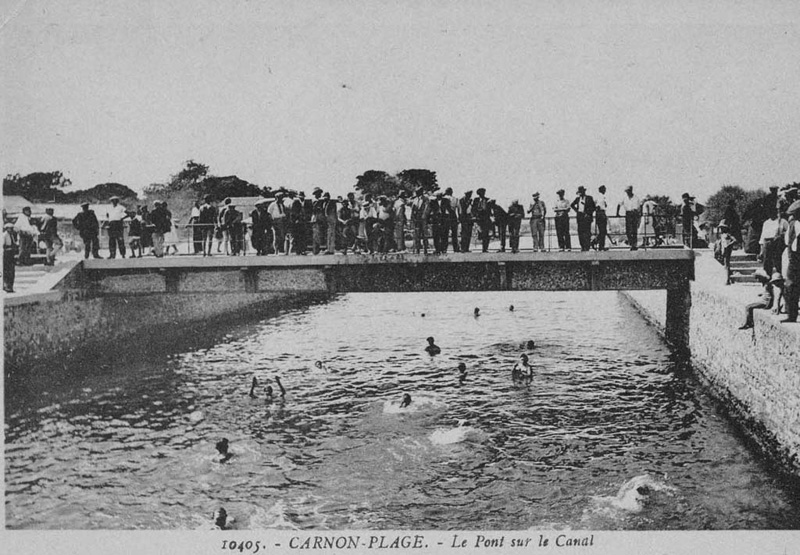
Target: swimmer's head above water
column 406, row 401
column 530, row 344
column 222, row 447
column 477, row 311
column 253, row 386
column 220, row 517
column 511, row 308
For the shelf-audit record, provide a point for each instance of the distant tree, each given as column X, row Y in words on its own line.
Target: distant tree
column 189, row 177
column 744, row 200
column 377, row 183
column 101, row 193
column 411, row 179
column 229, row 186
column 37, row 186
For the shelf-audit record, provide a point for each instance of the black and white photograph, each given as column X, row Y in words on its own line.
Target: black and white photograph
column 444, row 277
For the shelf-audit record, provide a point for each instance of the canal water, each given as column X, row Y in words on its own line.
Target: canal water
column 611, row 433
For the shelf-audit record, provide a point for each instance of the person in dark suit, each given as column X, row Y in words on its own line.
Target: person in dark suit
column 584, row 207
column 89, row 230
column 465, row 219
column 330, row 210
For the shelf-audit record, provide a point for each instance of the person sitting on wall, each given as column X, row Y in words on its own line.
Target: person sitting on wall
column 766, row 298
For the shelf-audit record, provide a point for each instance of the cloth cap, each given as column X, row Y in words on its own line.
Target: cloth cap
column 722, row 224
column 559, row 191
column 536, row 194
column 84, row 204
column 794, row 209
column 114, row 198
column 581, row 189
column 316, row 190
column 8, row 225
column 776, row 277
column 761, row 273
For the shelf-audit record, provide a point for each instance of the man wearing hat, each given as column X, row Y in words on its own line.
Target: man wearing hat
column 465, row 218
column 688, row 214
column 27, row 234
column 116, row 228
column 538, row 212
column 633, row 214
column 562, row 208
column 48, row 227
column 584, row 207
column 317, row 221
column 89, row 229
column 161, row 218
column 483, row 217
column 601, row 217
column 10, row 249
column 206, row 221
column 277, row 213
column 259, row 222
column 399, row 220
column 792, row 283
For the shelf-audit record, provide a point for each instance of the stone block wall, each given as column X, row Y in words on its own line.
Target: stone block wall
column 47, row 329
column 755, row 373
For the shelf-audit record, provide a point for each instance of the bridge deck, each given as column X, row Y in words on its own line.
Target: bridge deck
column 323, row 261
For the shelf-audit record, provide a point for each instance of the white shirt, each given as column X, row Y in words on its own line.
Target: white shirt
column 116, row 213
column 24, row 225
column 771, row 229
column 631, row 203
column 601, row 202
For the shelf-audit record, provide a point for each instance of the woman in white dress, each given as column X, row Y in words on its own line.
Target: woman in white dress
column 171, row 239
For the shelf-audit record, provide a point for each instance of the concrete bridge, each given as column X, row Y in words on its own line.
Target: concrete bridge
column 669, row 269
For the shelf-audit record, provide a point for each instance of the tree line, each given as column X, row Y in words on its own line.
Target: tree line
column 194, row 181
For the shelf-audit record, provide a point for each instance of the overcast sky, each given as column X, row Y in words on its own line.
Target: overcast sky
column 516, row 96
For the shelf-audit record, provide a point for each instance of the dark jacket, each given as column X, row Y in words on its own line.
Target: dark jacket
column 161, row 218
column 86, row 223
column 589, row 206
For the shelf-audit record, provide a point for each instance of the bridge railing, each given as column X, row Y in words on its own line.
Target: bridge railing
column 652, row 232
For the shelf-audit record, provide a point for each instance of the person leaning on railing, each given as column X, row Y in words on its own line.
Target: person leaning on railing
column 633, row 213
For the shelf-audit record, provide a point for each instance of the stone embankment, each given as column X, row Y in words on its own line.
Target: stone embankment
column 755, row 372
column 72, row 320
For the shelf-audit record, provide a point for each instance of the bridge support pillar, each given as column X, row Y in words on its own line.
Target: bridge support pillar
column 679, row 304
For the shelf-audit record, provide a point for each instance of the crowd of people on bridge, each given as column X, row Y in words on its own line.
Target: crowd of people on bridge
column 287, row 222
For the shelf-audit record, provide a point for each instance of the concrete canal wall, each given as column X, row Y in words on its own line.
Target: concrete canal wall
column 755, row 373
column 71, row 319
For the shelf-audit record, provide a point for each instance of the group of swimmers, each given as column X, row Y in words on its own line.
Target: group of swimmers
column 521, row 373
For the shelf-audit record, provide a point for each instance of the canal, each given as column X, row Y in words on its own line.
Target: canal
column 612, row 433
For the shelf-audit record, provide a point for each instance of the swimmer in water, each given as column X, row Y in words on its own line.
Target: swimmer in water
column 319, row 365
column 476, row 312
column 432, row 348
column 222, row 447
column 462, row 373
column 271, row 392
column 511, row 308
column 253, row 387
column 522, row 371
column 530, row 345
column 221, row 520
column 406, row 401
